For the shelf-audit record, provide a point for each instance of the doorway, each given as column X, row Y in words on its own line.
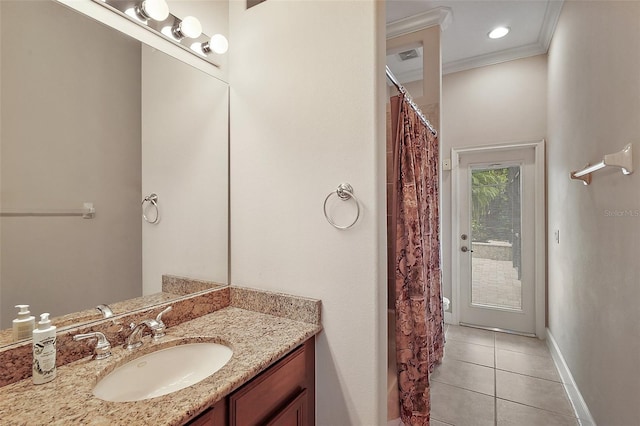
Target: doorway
column 498, row 240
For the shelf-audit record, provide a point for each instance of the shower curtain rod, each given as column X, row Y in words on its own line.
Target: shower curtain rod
column 406, row 94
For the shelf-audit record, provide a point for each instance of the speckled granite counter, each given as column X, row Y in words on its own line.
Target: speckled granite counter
column 257, row 340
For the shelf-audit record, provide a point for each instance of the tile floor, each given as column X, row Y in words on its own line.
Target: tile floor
column 489, row 378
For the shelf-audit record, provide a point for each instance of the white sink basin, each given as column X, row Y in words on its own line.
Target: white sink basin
column 162, row 372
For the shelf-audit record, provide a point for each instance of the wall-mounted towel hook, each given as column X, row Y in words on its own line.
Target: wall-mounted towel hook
column 622, row 159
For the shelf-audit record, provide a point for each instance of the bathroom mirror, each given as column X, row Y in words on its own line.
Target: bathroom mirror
column 90, row 115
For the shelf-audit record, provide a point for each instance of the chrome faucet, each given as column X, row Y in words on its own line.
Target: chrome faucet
column 103, row 347
column 159, row 333
column 105, row 310
column 135, row 338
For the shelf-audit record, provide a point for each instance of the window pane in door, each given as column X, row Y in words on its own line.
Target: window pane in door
column 496, row 261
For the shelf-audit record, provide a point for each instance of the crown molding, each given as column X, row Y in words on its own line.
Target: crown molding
column 551, row 16
column 409, row 76
column 493, row 58
column 438, row 16
column 443, row 16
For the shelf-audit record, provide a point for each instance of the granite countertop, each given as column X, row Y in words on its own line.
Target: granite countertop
column 257, row 340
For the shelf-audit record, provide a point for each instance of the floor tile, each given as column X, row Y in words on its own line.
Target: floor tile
column 469, row 352
column 461, row 407
column 530, row 365
column 465, row 375
column 527, row 345
column 513, row 414
column 531, row 391
column 471, row 335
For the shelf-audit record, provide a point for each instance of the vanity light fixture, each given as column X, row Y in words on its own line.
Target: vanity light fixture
column 154, row 15
column 218, row 44
column 499, row 32
column 189, row 27
column 158, row 10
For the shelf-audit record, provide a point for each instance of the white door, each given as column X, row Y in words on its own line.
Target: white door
column 496, row 241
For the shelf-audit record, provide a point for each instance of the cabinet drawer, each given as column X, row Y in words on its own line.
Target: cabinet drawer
column 268, row 393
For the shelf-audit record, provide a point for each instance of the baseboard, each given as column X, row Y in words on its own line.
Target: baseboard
column 579, row 405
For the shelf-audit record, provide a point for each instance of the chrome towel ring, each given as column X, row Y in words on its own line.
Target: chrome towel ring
column 344, row 192
column 153, row 200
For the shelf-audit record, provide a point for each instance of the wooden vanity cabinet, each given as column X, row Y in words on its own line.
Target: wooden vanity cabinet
column 282, row 395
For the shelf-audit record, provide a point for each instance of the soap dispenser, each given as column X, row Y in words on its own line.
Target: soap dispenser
column 44, row 351
column 24, row 324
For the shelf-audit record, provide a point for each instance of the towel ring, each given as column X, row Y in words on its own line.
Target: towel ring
column 153, row 199
column 344, row 192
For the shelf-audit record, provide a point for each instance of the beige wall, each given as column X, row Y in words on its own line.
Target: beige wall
column 594, row 279
column 185, row 162
column 307, row 113
column 488, row 105
column 67, row 138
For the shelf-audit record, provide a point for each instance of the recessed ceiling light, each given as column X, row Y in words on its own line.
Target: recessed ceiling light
column 499, row 32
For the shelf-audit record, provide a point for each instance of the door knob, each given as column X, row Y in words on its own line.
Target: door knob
column 465, row 249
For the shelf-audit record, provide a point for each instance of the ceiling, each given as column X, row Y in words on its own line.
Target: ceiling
column 465, row 25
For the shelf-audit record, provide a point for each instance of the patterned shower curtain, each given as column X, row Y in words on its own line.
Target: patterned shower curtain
column 415, row 230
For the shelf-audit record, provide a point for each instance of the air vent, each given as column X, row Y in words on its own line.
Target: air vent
column 408, row 54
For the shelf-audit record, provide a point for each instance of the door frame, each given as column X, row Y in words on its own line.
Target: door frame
column 539, row 226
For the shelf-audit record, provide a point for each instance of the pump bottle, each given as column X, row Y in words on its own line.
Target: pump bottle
column 23, row 325
column 44, row 351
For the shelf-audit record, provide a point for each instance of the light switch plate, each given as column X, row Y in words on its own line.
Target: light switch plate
column 446, row 164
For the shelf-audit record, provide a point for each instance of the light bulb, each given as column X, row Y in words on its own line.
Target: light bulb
column 499, row 32
column 157, row 10
column 219, row 44
column 189, row 27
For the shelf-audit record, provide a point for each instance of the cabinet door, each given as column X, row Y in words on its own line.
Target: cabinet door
column 293, row 414
column 258, row 400
column 288, row 387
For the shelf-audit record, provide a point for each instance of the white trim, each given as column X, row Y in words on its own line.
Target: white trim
column 443, row 16
column 113, row 20
column 551, row 17
column 539, row 223
column 577, row 401
column 494, row 58
column 437, row 16
column 409, row 76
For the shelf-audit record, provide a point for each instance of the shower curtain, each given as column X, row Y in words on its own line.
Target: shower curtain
column 416, row 255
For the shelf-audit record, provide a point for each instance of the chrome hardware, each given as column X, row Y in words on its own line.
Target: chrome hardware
column 135, row 338
column 153, row 200
column 344, row 192
column 465, row 249
column 159, row 333
column 105, row 310
column 103, row 347
column 463, row 237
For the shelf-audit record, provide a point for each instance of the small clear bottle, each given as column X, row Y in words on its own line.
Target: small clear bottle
column 44, row 351
column 24, row 324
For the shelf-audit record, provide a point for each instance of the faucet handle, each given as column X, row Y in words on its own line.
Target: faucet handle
column 159, row 332
column 159, row 317
column 103, row 347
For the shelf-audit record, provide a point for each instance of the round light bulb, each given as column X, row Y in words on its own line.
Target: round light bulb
column 156, row 9
column 219, row 44
column 190, row 27
column 499, row 32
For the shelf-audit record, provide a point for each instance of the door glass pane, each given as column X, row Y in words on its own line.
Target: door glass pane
column 496, row 232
